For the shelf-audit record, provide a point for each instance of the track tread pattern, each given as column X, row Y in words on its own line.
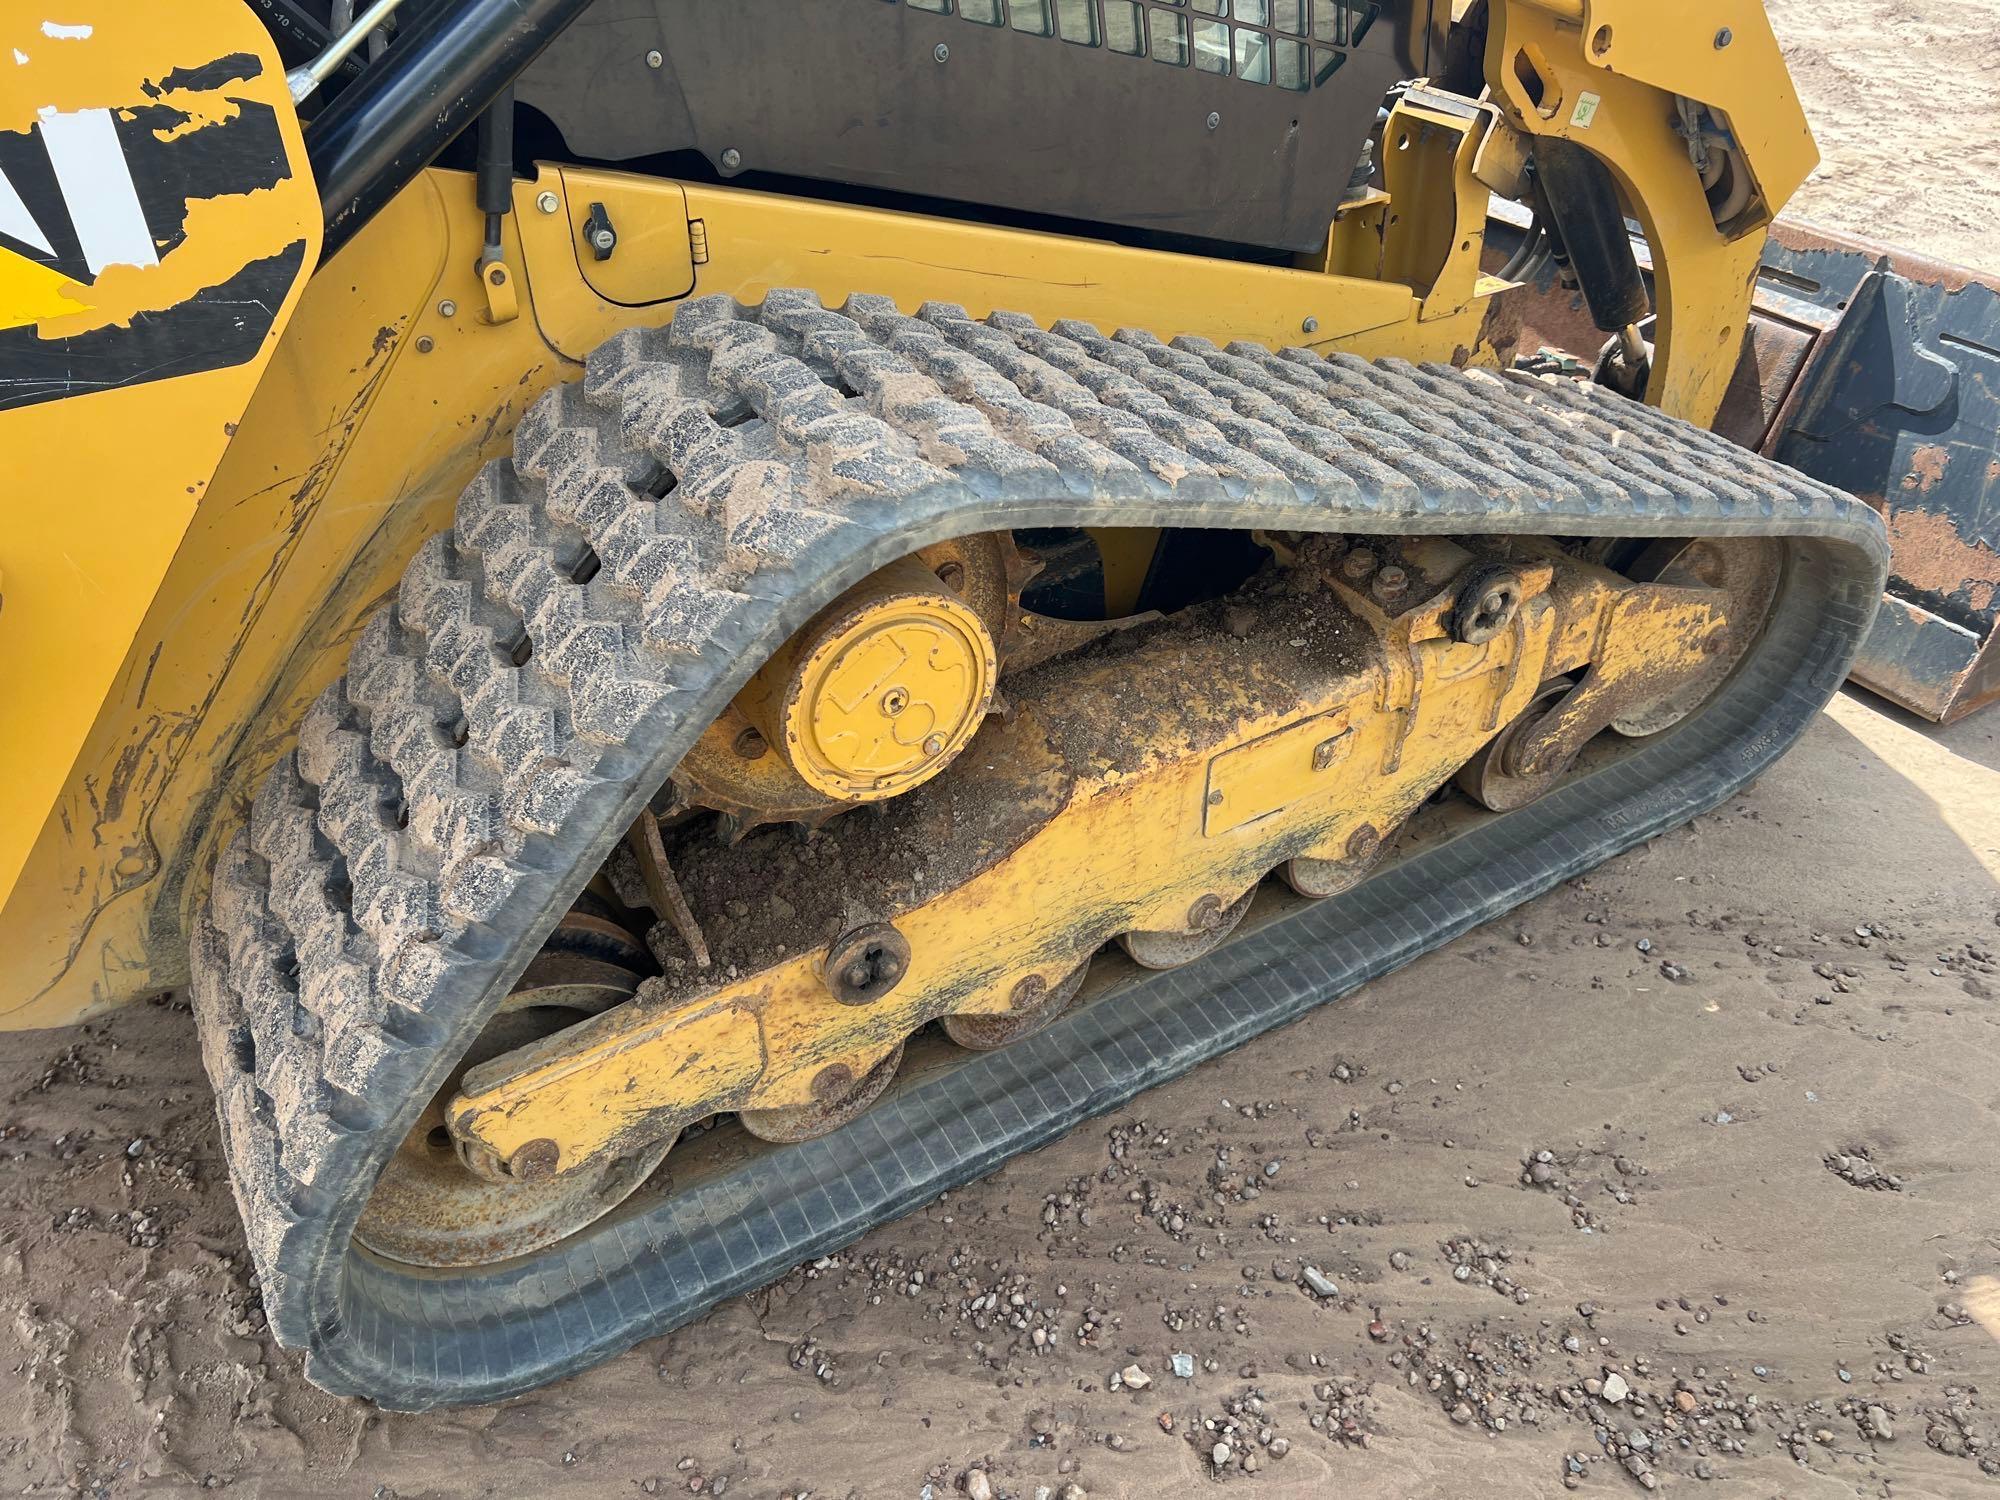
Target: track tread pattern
column 681, row 504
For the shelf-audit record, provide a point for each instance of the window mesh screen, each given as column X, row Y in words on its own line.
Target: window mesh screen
column 1287, row 44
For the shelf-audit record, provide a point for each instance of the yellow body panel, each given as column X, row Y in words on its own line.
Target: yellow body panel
column 398, row 375
column 108, row 448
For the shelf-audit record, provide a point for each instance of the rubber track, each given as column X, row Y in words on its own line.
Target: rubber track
column 716, row 482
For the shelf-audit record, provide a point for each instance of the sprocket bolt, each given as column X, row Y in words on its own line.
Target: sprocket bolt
column 831, row 1081
column 534, row 1162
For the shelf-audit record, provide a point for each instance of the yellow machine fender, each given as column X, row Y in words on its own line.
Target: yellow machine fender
column 157, row 223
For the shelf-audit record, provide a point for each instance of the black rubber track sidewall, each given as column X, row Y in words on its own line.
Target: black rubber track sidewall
column 413, row 1340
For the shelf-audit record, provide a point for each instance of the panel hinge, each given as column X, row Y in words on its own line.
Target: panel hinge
column 698, row 240
column 503, row 304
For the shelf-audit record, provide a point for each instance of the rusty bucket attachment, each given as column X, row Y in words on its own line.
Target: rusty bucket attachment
column 1870, row 368
column 1879, row 371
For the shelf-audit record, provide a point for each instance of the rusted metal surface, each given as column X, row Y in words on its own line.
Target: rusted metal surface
column 534, row 1162
column 1541, row 312
column 1777, row 347
column 1902, row 407
column 585, row 934
column 1799, row 236
column 1778, row 341
column 1930, row 665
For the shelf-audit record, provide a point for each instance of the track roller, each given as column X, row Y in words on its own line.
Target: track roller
column 1319, row 878
column 1035, row 1004
column 837, row 1098
column 1489, row 779
column 1209, row 922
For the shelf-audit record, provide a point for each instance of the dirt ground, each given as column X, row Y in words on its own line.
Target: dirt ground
column 1904, row 98
column 1710, row 1131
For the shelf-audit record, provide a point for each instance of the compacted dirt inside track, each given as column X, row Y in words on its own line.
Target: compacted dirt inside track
column 1685, row 1170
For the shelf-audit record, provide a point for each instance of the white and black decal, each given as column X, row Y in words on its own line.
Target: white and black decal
column 85, row 191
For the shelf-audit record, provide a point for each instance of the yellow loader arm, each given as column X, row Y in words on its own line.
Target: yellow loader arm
column 1643, row 87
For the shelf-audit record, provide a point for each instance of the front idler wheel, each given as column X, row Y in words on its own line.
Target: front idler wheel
column 431, row 1208
column 1746, row 570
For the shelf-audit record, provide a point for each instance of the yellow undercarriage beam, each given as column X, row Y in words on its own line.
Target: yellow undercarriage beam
column 1143, row 793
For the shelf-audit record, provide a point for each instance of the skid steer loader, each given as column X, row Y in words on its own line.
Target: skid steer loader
column 690, row 621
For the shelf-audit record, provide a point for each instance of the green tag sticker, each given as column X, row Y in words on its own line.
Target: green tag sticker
column 1585, row 111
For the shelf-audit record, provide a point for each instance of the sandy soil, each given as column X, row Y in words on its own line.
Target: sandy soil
column 1717, row 1120
column 1904, row 98
column 1770, row 1189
